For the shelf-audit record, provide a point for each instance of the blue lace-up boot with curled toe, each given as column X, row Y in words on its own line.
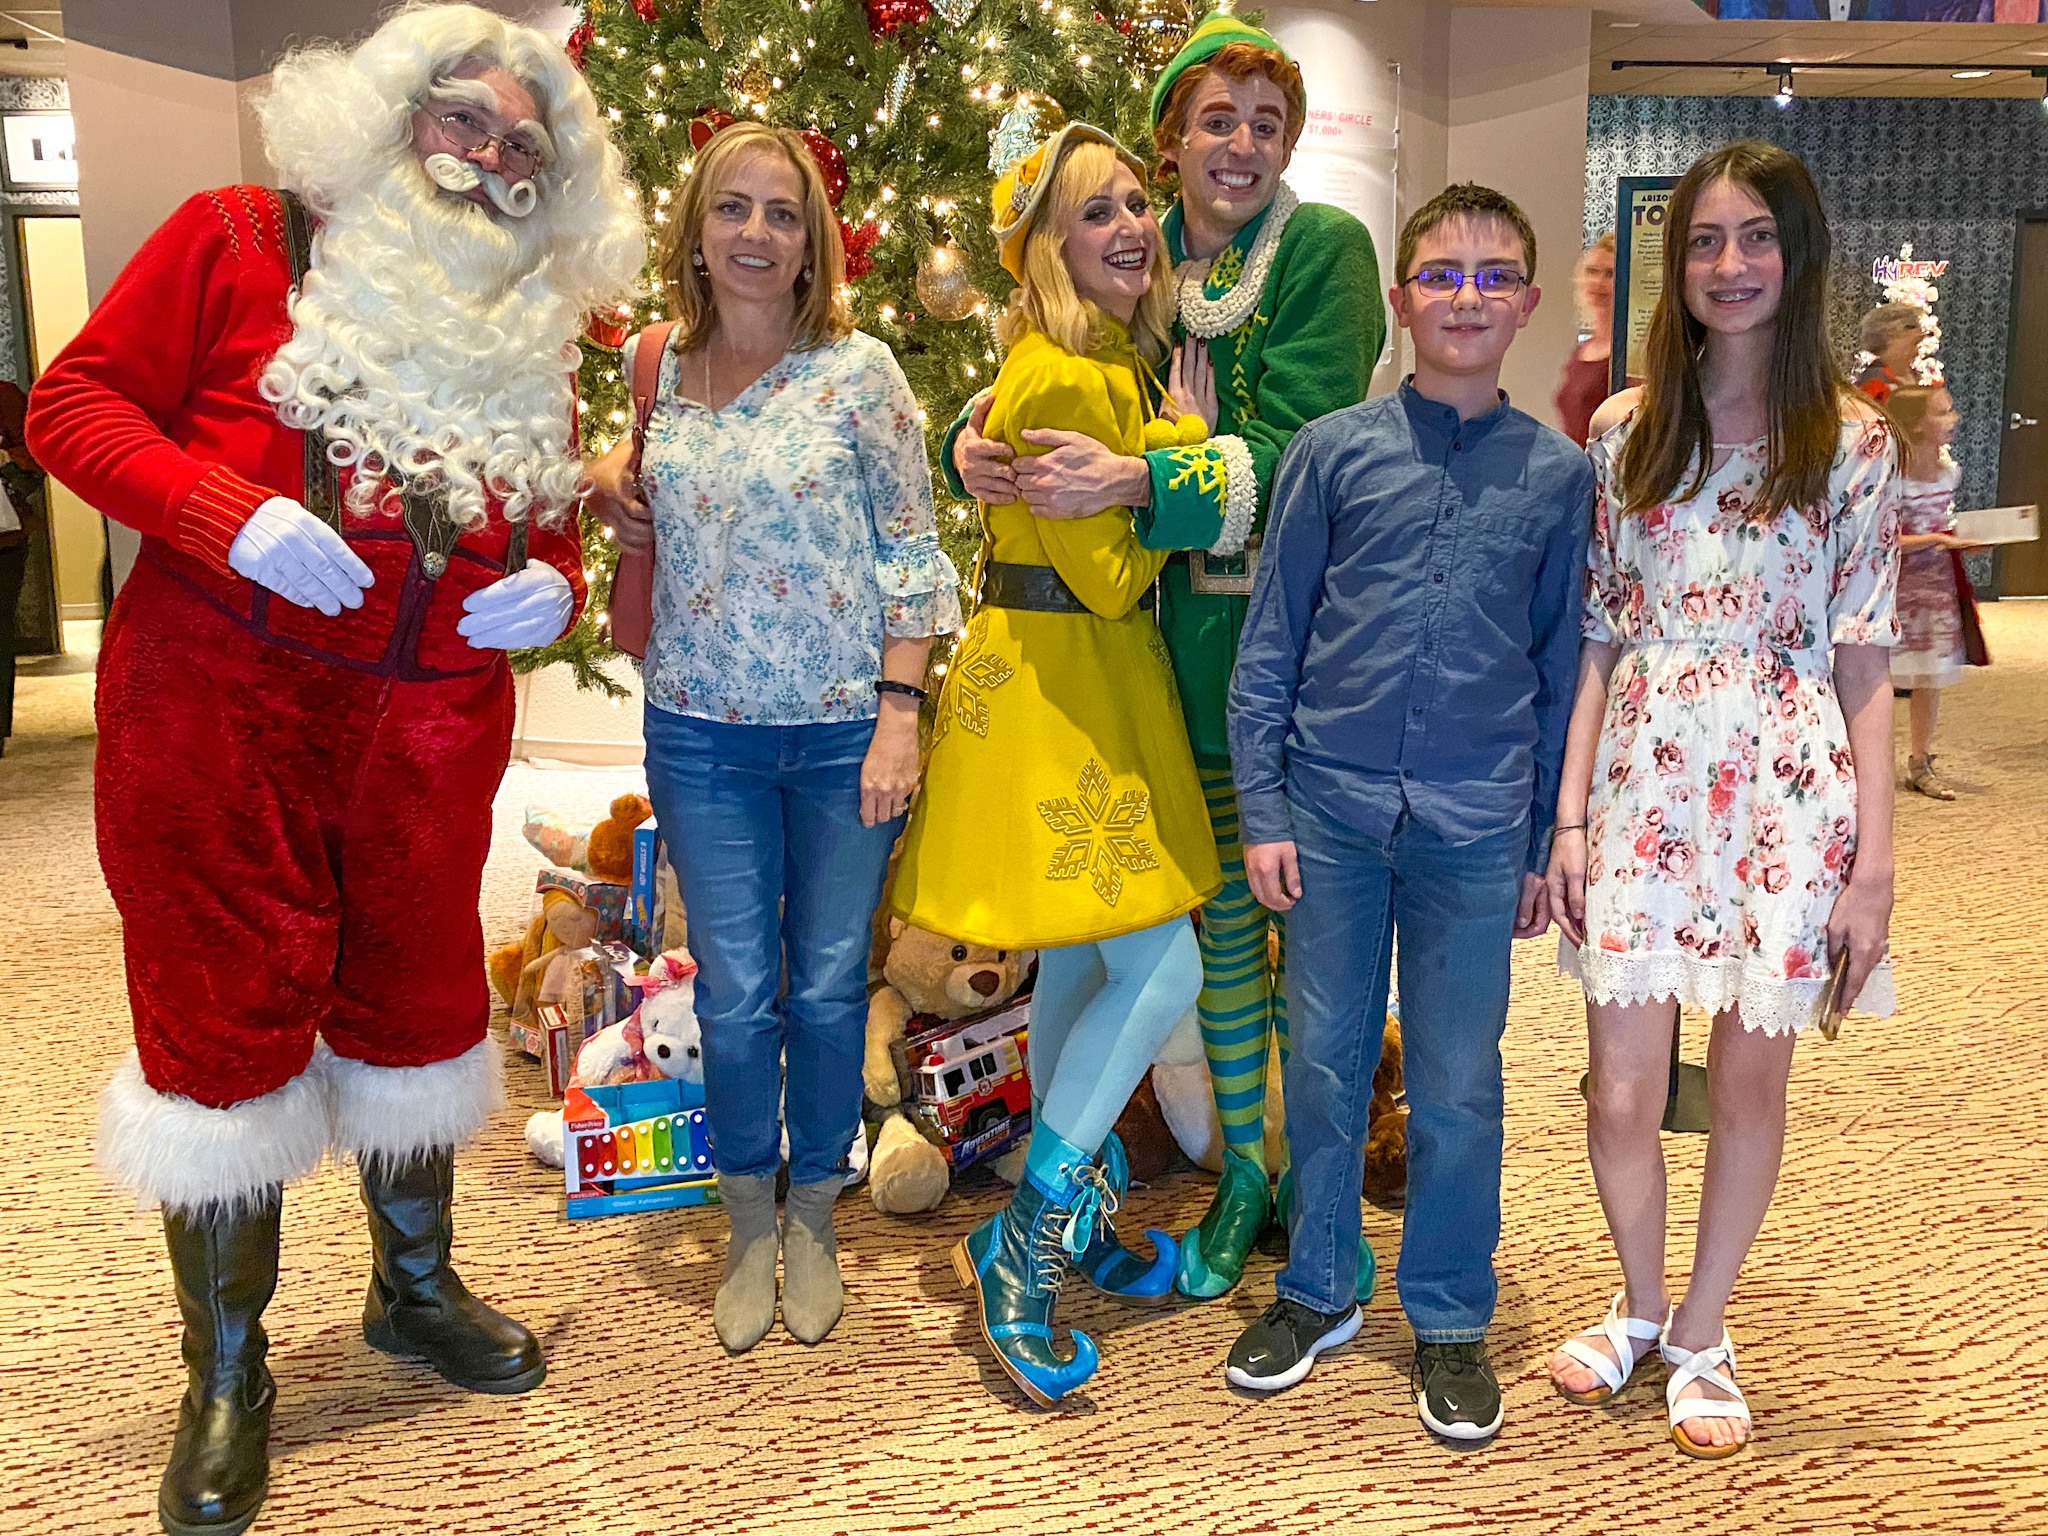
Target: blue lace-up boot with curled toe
column 1105, row 1262
column 1016, row 1260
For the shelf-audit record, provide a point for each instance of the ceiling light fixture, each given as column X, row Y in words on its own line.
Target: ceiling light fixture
column 1784, row 76
column 1970, row 74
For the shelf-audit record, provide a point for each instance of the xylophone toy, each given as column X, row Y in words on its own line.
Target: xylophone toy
column 635, row 1147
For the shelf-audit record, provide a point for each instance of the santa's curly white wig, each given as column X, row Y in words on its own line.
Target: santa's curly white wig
column 433, row 337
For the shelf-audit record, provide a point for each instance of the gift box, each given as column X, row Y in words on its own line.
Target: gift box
column 635, row 1147
column 604, row 897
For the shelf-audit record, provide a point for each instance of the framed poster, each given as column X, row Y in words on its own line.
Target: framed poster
column 39, row 150
column 1640, row 203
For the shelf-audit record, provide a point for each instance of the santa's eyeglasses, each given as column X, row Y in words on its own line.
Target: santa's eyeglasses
column 517, row 158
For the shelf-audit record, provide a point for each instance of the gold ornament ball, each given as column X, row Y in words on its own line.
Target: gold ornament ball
column 943, row 286
column 750, row 80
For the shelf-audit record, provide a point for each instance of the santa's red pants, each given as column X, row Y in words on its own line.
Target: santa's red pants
column 296, row 849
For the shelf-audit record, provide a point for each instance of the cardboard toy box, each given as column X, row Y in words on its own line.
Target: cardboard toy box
column 635, row 1147
column 654, row 908
column 603, row 897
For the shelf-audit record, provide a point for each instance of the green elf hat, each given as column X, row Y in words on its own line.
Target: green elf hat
column 1219, row 29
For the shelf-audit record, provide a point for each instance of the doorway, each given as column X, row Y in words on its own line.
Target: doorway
column 2023, row 445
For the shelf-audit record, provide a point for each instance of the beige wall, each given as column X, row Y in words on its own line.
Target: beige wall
column 53, row 276
column 1518, row 123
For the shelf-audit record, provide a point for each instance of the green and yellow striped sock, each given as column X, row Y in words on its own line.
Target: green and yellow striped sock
column 1239, row 1005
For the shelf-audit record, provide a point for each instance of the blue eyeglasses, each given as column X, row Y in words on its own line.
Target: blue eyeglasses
column 1494, row 282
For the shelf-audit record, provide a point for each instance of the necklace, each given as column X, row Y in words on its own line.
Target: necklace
column 1209, row 318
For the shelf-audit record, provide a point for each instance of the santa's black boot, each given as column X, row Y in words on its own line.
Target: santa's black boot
column 225, row 1266
column 418, row 1307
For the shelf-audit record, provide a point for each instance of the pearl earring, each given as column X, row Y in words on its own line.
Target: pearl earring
column 697, row 260
column 807, row 274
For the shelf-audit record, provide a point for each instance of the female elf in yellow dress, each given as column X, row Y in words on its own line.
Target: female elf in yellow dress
column 1061, row 810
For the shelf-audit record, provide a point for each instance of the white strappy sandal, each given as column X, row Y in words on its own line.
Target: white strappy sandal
column 1621, row 1335
column 1715, row 1366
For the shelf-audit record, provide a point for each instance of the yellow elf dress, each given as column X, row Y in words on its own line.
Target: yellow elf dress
column 1060, row 803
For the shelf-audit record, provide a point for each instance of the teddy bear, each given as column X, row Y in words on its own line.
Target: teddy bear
column 925, row 974
column 537, row 969
column 604, row 853
column 660, row 1038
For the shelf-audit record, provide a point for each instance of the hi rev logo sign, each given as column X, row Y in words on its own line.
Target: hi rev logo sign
column 1889, row 269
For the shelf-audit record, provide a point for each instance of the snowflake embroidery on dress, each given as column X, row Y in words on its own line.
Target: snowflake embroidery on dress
column 1101, row 835
column 980, row 677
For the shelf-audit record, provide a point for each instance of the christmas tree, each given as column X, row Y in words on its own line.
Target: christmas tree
column 914, row 100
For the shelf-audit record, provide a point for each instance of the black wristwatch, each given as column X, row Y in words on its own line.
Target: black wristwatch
column 908, row 690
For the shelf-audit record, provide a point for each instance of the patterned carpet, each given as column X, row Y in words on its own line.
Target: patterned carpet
column 1893, row 1325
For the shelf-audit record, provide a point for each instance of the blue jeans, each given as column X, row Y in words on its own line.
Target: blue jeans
column 1454, row 908
column 780, row 882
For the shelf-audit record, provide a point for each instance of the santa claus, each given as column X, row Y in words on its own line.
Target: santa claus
column 341, row 418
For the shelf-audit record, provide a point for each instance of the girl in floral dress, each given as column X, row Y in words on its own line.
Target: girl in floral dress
column 1724, row 820
column 1937, row 611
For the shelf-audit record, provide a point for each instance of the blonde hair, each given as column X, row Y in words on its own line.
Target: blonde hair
column 1909, row 406
column 1047, row 301
column 823, row 314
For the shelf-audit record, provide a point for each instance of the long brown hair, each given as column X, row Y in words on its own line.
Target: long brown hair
column 1672, row 442
column 822, row 312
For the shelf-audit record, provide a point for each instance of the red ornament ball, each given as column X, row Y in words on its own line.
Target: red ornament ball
column 831, row 163
column 579, row 41
column 647, row 10
column 888, row 16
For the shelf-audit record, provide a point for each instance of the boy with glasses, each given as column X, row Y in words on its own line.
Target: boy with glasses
column 1397, row 724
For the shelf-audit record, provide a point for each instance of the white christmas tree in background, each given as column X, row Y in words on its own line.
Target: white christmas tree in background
column 1907, row 284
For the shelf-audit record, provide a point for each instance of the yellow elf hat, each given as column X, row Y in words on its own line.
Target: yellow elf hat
column 1020, row 189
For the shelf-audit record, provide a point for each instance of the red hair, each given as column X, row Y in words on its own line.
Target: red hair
column 1233, row 61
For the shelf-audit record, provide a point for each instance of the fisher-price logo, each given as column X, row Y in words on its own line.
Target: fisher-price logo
column 1889, row 269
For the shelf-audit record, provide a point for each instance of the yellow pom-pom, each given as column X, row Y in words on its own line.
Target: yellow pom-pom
column 1190, row 430
column 1160, row 434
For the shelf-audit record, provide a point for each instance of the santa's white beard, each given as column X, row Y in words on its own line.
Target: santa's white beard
column 427, row 340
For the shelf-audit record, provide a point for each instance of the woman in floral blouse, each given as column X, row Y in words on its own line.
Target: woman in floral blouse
column 786, row 494
column 1724, row 821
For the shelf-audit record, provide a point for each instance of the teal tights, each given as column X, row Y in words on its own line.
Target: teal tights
column 1100, row 1014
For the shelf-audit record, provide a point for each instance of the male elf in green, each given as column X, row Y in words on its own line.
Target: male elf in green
column 1281, row 321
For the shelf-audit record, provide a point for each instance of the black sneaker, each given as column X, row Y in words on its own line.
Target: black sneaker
column 1279, row 1349
column 1455, row 1391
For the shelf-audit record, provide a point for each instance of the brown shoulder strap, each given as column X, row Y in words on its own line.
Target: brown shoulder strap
column 646, row 381
column 323, row 495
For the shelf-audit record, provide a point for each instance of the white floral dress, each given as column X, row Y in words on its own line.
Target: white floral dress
column 1722, row 819
column 792, row 530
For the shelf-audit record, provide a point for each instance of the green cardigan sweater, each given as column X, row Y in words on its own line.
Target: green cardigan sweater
column 1303, row 347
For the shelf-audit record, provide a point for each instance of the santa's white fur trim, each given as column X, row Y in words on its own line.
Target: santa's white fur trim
column 175, row 1151
column 400, row 1113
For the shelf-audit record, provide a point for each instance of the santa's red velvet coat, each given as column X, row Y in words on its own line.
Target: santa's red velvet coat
column 293, row 810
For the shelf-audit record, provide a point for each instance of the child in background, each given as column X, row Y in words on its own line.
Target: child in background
column 1938, row 633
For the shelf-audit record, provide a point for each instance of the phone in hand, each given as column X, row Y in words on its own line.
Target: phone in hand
column 1832, row 1006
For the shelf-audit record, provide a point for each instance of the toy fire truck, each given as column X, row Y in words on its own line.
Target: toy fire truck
column 967, row 1084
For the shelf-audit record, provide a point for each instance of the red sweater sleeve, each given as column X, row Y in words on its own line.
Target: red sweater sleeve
column 99, row 417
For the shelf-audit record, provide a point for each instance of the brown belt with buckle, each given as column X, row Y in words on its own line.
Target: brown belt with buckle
column 1034, row 588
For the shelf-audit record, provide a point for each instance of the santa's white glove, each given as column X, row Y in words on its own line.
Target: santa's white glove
column 527, row 609
column 289, row 550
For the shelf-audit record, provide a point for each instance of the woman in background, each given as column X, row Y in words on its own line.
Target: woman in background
column 1586, row 374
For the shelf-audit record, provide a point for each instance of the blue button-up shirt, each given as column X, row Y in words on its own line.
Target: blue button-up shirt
column 1413, row 638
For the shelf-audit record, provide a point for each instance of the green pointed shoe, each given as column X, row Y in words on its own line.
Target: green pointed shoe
column 1212, row 1255
column 1368, row 1266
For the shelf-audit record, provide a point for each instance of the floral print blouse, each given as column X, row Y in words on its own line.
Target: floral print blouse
column 793, row 530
